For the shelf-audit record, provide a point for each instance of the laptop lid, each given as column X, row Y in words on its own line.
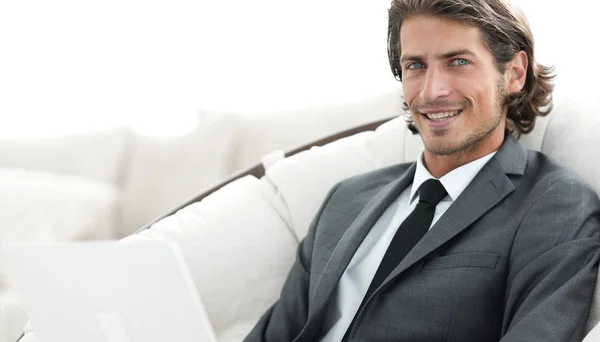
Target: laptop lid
column 137, row 291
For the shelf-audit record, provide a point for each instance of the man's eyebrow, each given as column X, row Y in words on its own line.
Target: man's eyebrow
column 445, row 55
column 405, row 58
column 455, row 53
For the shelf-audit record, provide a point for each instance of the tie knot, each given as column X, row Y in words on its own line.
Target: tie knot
column 432, row 191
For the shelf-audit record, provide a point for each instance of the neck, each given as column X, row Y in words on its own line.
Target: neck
column 439, row 165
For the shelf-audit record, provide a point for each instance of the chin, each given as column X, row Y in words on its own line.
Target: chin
column 445, row 145
column 443, row 150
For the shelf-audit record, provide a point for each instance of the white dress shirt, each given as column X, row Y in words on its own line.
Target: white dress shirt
column 360, row 271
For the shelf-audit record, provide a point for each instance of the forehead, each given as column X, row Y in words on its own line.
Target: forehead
column 424, row 35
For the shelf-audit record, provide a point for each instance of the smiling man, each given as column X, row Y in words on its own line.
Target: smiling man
column 455, row 91
column 479, row 239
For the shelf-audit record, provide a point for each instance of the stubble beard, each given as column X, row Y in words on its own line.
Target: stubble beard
column 476, row 138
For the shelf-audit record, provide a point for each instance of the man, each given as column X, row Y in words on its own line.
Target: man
column 510, row 245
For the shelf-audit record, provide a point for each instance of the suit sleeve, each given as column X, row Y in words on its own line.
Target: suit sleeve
column 286, row 318
column 553, row 266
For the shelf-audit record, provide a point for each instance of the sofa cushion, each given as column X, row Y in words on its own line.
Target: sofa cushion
column 44, row 207
column 97, row 155
column 304, row 179
column 163, row 172
column 238, row 249
column 573, row 138
column 258, row 134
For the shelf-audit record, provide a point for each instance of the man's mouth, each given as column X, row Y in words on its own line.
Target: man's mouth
column 441, row 116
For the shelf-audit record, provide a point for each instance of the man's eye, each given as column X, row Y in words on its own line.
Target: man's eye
column 459, row 61
column 414, row 66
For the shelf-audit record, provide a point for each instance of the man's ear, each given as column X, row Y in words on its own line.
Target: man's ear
column 516, row 72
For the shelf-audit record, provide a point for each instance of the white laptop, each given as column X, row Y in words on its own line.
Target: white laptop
column 107, row 292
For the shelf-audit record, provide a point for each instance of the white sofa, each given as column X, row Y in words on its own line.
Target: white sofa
column 107, row 184
column 248, row 255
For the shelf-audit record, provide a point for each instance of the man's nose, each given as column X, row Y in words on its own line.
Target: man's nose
column 435, row 86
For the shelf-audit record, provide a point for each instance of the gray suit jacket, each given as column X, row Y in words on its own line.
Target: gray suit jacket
column 513, row 259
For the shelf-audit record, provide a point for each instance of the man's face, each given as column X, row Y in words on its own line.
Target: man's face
column 454, row 90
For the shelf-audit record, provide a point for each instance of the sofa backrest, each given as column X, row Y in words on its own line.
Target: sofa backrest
column 162, row 173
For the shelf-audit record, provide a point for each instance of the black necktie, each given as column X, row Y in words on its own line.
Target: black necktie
column 408, row 234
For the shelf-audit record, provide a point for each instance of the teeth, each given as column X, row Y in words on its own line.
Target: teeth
column 441, row 116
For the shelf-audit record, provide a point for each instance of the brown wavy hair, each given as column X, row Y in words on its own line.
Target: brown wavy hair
column 505, row 31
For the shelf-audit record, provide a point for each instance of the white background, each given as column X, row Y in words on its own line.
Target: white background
column 70, row 66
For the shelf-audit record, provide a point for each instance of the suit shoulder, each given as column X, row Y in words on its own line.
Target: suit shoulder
column 548, row 180
column 545, row 169
column 556, row 205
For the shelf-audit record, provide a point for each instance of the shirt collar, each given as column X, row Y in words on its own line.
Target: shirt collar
column 454, row 181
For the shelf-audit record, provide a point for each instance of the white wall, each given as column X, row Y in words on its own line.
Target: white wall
column 68, row 66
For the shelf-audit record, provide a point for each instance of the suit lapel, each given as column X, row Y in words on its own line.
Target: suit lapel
column 353, row 237
column 487, row 189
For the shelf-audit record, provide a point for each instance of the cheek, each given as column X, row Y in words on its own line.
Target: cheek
column 478, row 93
column 486, row 97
